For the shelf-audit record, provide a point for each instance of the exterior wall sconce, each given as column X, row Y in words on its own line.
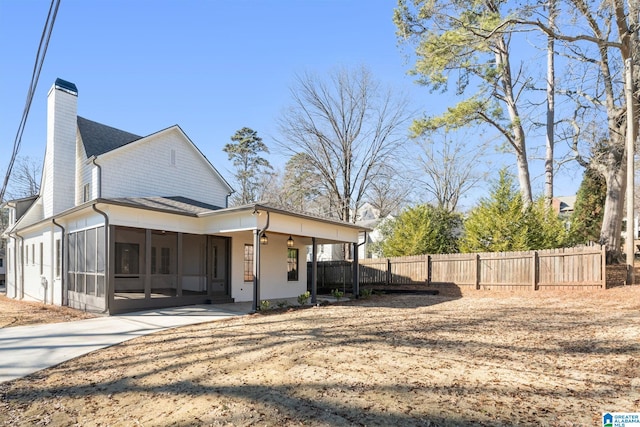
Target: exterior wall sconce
column 290, row 242
column 264, row 240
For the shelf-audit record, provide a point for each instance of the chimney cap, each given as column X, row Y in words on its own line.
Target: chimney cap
column 66, row 86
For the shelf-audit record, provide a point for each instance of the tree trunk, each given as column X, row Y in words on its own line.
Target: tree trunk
column 615, row 175
column 523, row 167
column 518, row 140
column 548, row 161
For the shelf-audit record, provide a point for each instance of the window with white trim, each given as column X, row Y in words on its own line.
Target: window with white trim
column 292, row 264
column 86, row 193
column 248, row 263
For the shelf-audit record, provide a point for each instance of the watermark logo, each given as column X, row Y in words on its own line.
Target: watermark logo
column 621, row 419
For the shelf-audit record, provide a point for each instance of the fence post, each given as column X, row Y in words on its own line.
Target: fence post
column 428, row 270
column 534, row 270
column 477, row 271
column 388, row 276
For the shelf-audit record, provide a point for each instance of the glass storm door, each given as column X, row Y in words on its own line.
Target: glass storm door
column 219, row 262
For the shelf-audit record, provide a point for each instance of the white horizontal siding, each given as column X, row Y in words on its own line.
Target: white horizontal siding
column 145, row 169
column 84, row 174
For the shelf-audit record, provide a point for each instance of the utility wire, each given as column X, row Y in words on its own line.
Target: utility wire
column 35, row 76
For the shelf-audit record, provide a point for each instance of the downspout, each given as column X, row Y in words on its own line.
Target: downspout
column 256, row 264
column 107, row 272
column 15, row 265
column 226, row 199
column 62, row 269
column 21, row 266
column 93, row 160
column 364, row 241
column 355, row 272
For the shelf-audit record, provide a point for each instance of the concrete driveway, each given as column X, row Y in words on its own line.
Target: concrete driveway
column 27, row 349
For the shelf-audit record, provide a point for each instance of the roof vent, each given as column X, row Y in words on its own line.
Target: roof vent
column 66, row 86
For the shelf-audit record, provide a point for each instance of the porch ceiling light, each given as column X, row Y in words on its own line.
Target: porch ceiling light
column 290, row 242
column 263, row 239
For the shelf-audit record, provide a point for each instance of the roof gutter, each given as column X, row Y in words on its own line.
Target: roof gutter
column 115, row 203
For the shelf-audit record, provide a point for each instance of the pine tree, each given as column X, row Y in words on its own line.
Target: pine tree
column 422, row 229
column 586, row 220
column 250, row 166
column 499, row 223
column 546, row 228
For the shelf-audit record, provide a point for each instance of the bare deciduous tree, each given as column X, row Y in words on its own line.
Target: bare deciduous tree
column 348, row 129
column 296, row 188
column 448, row 167
column 302, row 186
column 25, row 179
column 389, row 193
column 551, row 76
column 601, row 36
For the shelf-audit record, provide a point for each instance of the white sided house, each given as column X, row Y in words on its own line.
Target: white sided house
column 126, row 222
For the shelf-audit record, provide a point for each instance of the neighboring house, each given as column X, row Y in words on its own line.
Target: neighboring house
column 368, row 219
column 16, row 208
column 126, row 222
column 636, row 231
column 563, row 206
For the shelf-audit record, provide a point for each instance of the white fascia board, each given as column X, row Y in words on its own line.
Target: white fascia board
column 308, row 227
column 252, row 217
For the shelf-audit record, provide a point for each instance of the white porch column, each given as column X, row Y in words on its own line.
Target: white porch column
column 314, row 271
column 356, row 278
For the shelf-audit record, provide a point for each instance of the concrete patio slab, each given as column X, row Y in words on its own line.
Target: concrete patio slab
column 28, row 349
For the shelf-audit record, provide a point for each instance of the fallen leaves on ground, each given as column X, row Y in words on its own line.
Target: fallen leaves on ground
column 544, row 358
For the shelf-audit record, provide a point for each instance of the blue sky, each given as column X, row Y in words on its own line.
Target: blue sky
column 211, row 67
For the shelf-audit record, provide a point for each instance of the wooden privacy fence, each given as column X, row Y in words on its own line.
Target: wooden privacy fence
column 578, row 267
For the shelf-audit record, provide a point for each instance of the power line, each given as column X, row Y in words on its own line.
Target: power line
column 35, row 76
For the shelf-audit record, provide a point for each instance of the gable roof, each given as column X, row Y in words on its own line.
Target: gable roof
column 566, row 204
column 99, row 139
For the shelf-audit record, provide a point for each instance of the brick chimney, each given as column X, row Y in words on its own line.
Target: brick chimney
column 58, row 190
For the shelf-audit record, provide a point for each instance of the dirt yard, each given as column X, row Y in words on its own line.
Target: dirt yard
column 20, row 313
column 558, row 359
